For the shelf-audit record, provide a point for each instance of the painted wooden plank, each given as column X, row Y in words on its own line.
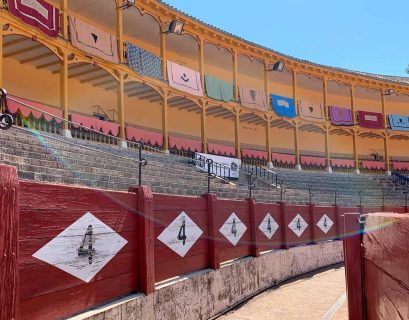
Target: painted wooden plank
column 180, row 267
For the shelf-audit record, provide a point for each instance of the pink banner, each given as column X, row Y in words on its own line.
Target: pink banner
column 400, row 166
column 252, row 99
column 184, row 79
column 93, row 40
column 149, row 137
column 373, row 120
column 221, row 149
column 15, row 107
column 94, row 123
column 185, row 144
column 314, row 161
column 283, row 158
column 342, row 163
column 373, row 165
column 37, row 13
column 255, row 154
column 310, row 111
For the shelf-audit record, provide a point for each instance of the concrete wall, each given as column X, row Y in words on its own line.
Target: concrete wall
column 204, row 294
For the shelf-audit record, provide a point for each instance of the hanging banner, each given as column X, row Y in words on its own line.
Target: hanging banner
column 283, row 106
column 218, row 89
column 398, row 122
column 184, row 79
column 371, row 120
column 37, row 13
column 93, row 40
column 341, row 116
column 252, row 99
column 229, row 163
column 311, row 112
column 144, row 62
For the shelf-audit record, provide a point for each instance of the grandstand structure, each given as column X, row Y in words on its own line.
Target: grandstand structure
column 306, row 116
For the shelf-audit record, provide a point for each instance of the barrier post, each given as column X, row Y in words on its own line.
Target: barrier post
column 283, row 224
column 337, row 222
column 214, row 260
column 312, row 224
column 353, row 265
column 255, row 249
column 9, row 244
column 146, row 240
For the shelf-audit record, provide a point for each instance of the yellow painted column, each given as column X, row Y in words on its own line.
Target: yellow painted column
column 203, row 125
column 163, row 54
column 352, row 91
column 121, row 107
column 64, row 92
column 325, row 96
column 235, row 75
column 387, row 160
column 356, row 159
column 120, row 33
column 297, row 148
column 237, row 134
column 201, row 61
column 383, row 100
column 266, row 84
column 328, row 167
column 295, row 87
column 165, row 132
column 64, row 18
column 268, row 144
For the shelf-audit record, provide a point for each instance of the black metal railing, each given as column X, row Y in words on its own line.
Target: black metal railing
column 264, row 174
column 400, row 178
column 218, row 169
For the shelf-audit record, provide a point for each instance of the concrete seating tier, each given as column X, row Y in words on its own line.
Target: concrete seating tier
column 55, row 159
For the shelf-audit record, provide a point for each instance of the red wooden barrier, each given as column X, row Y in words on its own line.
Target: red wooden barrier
column 181, row 229
column 353, row 265
column 284, row 229
column 78, row 248
column 233, row 224
column 269, row 227
column 9, row 244
column 298, row 223
column 255, row 248
column 324, row 221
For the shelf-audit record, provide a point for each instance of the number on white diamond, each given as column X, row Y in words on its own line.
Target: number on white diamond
column 233, row 228
column 182, row 231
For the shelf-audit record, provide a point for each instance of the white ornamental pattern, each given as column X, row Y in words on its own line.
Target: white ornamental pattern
column 325, row 223
column 83, row 248
column 298, row 225
column 268, row 226
column 181, row 234
column 233, row 229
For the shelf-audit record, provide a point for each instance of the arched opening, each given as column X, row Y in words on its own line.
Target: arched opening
column 310, row 98
column 220, row 131
column 253, row 138
column 184, row 122
column 31, row 75
column 183, row 49
column 218, row 62
column 371, row 152
column 281, row 83
column 143, row 114
column 282, row 143
column 312, row 147
column 341, row 150
column 250, row 72
column 397, row 103
column 338, row 94
column 398, row 145
column 367, row 99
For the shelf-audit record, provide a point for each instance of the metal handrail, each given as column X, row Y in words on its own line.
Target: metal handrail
column 269, row 176
column 218, row 169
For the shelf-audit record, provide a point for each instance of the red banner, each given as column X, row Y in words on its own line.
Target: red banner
column 373, row 120
column 37, row 13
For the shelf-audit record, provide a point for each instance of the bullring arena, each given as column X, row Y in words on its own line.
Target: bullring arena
column 156, row 167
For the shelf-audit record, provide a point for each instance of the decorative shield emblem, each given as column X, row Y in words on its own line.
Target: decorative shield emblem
column 253, row 94
column 184, row 77
column 311, row 109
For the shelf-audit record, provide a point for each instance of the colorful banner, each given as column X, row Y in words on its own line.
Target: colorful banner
column 37, row 13
column 373, row 120
column 144, row 62
column 341, row 116
column 283, row 106
column 218, row 89
column 184, row 79
column 93, row 40
column 398, row 122
column 252, row 99
column 311, row 112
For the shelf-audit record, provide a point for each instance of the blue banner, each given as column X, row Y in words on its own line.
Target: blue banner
column 398, row 122
column 283, row 106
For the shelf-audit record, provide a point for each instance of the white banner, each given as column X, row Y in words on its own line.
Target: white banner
column 230, row 167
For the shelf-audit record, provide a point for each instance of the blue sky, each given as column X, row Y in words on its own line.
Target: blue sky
column 364, row 35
